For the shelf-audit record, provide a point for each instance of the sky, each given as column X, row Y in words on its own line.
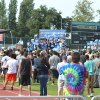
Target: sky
column 65, row 6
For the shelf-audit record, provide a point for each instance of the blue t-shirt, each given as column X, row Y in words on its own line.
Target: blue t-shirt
column 89, row 64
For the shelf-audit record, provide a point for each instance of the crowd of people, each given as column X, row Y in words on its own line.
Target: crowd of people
column 42, row 43
column 74, row 70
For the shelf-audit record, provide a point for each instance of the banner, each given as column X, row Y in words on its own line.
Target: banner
column 1, row 37
column 52, row 34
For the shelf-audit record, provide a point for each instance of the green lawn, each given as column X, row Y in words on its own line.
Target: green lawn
column 52, row 89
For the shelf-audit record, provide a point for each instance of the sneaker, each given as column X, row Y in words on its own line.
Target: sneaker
column 88, row 95
column 3, row 88
column 92, row 94
column 11, row 88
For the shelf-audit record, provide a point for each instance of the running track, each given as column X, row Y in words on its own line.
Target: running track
column 15, row 92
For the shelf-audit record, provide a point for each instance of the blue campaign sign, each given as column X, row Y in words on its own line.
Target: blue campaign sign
column 51, row 34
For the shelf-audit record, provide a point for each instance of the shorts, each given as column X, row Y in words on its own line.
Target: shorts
column 25, row 80
column 54, row 73
column 90, row 81
column 11, row 77
column 87, row 82
column 60, row 84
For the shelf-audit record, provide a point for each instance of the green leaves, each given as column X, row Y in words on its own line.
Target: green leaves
column 3, row 17
column 12, row 24
column 25, row 13
column 83, row 11
column 98, row 11
column 43, row 18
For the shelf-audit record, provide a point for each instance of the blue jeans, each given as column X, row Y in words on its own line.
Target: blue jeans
column 43, row 84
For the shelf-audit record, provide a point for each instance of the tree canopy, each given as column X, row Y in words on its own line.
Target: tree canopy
column 12, row 24
column 83, row 11
column 30, row 20
column 3, row 16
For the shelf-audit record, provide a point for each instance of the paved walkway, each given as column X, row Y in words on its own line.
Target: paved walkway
column 15, row 92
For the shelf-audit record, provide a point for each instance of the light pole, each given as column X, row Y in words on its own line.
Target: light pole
column 4, row 40
column 11, row 38
column 61, row 22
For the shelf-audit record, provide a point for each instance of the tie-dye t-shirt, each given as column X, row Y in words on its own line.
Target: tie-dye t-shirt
column 74, row 79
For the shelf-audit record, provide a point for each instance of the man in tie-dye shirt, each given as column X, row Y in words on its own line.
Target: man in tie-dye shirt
column 74, row 76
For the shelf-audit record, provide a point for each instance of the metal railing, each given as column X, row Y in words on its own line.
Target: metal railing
column 43, row 97
column 96, row 97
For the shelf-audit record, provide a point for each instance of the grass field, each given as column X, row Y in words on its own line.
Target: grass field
column 52, row 89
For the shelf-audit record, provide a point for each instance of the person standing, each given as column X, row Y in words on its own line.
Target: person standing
column 12, row 65
column 37, row 63
column 36, row 43
column 62, row 52
column 19, row 58
column 97, row 71
column 74, row 74
column 69, row 57
column 61, row 77
column 4, row 60
column 53, row 61
column 82, row 57
column 28, row 46
column 90, row 67
column 43, row 76
column 25, row 73
column 20, row 44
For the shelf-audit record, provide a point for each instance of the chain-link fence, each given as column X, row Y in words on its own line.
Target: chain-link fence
column 8, row 40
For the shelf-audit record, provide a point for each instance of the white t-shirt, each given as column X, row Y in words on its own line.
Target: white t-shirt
column 61, row 64
column 12, row 66
column 20, row 42
column 4, row 61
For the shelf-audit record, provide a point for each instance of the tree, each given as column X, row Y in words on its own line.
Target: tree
column 26, row 9
column 98, row 11
column 34, row 22
column 37, row 20
column 3, row 18
column 54, row 18
column 43, row 18
column 83, row 11
column 66, row 24
column 12, row 16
